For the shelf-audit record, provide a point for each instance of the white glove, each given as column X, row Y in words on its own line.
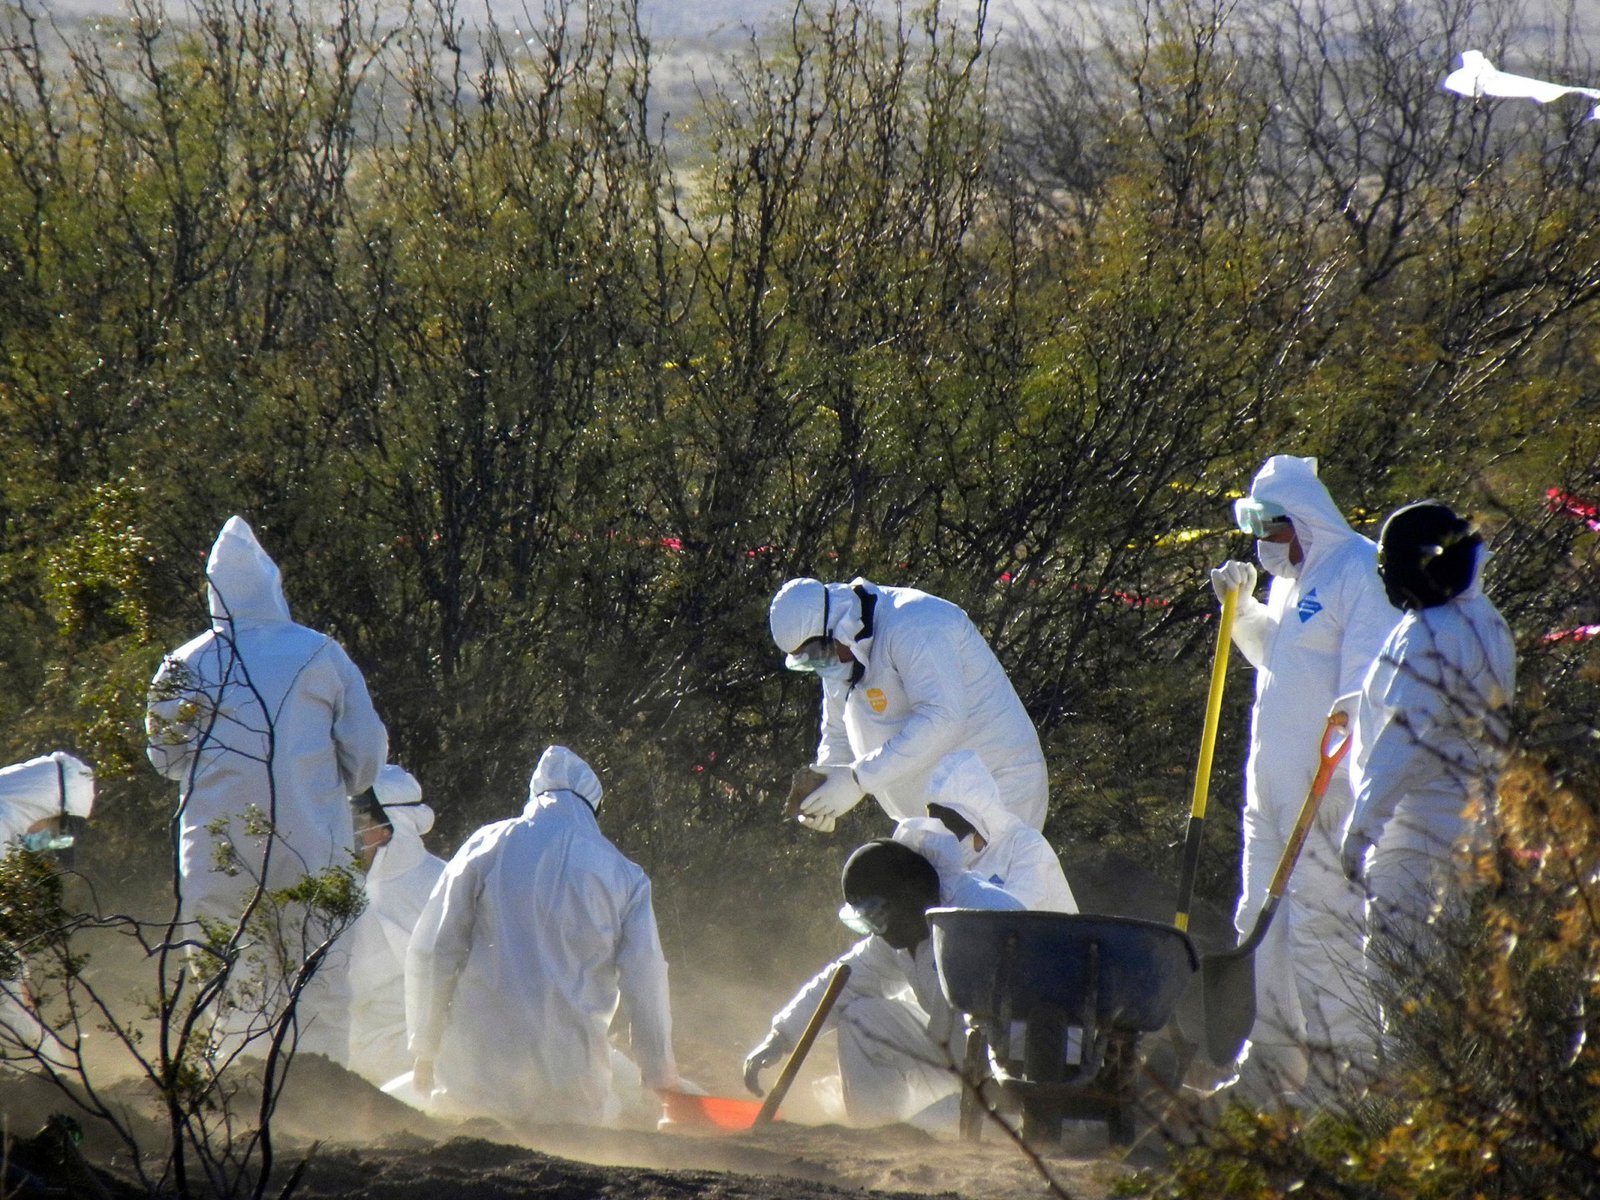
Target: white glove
column 817, row 824
column 836, row 795
column 1347, row 705
column 1232, row 575
column 770, row 1051
column 1353, row 855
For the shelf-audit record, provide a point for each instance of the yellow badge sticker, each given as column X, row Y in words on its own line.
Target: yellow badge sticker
column 877, row 699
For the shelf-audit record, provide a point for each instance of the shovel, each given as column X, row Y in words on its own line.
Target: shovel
column 791, row 1067
column 1228, row 978
column 1208, row 744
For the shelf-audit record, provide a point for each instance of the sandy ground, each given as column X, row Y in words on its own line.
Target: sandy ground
column 370, row 1145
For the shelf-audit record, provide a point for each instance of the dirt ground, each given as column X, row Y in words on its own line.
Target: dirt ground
column 371, row 1146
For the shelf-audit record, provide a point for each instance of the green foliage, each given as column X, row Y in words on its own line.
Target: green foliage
column 31, row 906
column 1491, row 1061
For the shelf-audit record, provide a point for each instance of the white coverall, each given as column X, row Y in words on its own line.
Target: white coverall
column 900, row 1043
column 1430, row 731
column 1311, row 642
column 398, row 885
column 214, row 704
column 1015, row 856
column 931, row 685
column 51, row 785
column 537, row 930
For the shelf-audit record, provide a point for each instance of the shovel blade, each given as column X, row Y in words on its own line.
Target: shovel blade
column 1228, row 985
column 712, row 1114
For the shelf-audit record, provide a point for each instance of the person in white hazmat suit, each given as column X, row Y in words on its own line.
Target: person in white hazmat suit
column 43, row 804
column 400, row 876
column 535, row 934
column 900, row 1044
column 906, row 679
column 1323, row 622
column 260, row 720
column 1430, row 733
column 995, row 845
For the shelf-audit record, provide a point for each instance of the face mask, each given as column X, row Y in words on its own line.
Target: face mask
column 834, row 670
column 47, row 841
column 1274, row 556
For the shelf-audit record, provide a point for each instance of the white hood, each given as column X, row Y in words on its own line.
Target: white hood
column 401, row 797
column 964, row 785
column 560, row 770
column 31, row 791
column 1292, row 484
column 243, row 582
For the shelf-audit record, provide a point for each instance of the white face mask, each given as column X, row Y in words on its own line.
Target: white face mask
column 1274, row 556
column 969, row 851
column 834, row 670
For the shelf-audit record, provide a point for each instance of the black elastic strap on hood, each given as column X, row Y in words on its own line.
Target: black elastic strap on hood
column 869, row 607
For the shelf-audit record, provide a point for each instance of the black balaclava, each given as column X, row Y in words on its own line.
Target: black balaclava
column 952, row 820
column 906, row 882
column 1426, row 555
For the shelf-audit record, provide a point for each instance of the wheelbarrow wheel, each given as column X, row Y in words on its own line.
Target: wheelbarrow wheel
column 1043, row 1062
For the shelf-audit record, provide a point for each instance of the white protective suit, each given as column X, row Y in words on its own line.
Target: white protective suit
column 55, row 784
column 213, row 705
column 537, row 930
column 1431, row 728
column 931, row 685
column 1015, row 856
column 398, row 885
column 900, row 1043
column 1311, row 642
column 52, row 785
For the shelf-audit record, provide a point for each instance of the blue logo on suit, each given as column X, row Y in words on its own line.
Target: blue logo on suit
column 1309, row 606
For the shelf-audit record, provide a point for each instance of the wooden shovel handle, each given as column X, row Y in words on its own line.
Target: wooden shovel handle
column 791, row 1068
column 1335, row 743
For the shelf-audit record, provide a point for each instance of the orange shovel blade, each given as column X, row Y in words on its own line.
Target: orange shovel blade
column 716, row 1113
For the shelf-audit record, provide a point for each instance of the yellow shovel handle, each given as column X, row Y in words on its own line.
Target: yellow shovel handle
column 1208, row 744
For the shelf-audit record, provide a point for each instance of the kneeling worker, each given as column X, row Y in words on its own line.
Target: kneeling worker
column 537, row 931
column 898, row 1052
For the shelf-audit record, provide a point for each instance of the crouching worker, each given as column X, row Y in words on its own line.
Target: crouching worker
column 995, row 845
column 44, row 804
column 900, row 1042
column 538, row 929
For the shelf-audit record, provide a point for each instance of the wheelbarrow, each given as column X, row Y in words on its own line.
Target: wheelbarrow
column 1058, row 1002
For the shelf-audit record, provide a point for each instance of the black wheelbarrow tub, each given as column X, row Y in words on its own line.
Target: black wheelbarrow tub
column 998, row 965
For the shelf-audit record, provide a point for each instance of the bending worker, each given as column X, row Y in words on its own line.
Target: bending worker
column 900, row 1042
column 995, row 846
column 400, row 873
column 906, row 679
column 1430, row 732
column 537, row 930
column 1323, row 622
